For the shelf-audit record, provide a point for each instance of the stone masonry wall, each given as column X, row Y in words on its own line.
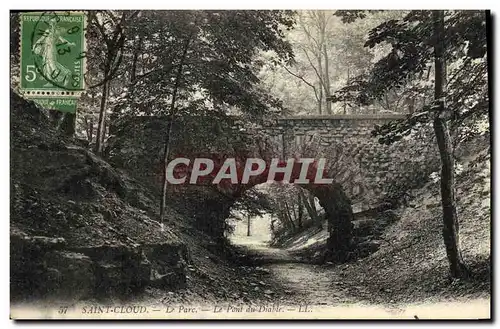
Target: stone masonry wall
column 367, row 170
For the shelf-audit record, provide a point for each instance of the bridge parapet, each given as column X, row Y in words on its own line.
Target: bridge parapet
column 298, row 129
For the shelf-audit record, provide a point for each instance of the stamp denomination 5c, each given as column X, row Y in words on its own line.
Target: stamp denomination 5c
column 52, row 54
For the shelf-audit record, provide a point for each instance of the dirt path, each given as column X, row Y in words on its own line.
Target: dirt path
column 306, row 283
column 327, row 286
column 310, row 283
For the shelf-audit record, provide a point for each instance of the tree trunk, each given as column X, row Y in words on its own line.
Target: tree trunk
column 322, row 52
column 283, row 218
column 338, row 211
column 68, row 124
column 319, row 58
column 326, row 79
column 272, row 225
column 450, row 218
column 101, row 127
column 133, row 70
column 135, row 58
column 166, row 153
column 348, row 80
column 300, row 214
column 294, row 213
column 90, row 129
column 311, row 209
column 320, row 101
column 289, row 217
column 285, row 137
column 249, row 225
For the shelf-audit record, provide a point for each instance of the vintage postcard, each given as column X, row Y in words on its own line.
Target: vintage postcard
column 250, row 164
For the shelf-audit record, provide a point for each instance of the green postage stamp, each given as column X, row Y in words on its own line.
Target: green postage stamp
column 53, row 58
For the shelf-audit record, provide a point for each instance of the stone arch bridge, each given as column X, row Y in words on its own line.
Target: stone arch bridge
column 365, row 172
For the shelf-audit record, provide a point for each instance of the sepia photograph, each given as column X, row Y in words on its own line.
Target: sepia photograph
column 250, row 164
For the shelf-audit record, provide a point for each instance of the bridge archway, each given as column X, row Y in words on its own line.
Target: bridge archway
column 333, row 199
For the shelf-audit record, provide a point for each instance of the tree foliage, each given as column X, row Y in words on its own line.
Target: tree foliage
column 220, row 66
column 409, row 61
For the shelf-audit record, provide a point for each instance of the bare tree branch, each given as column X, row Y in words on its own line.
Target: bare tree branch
column 305, row 81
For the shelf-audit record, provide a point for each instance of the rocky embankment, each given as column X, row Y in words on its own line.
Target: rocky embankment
column 82, row 229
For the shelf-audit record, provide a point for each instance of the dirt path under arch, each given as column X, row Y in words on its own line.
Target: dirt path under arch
column 304, row 282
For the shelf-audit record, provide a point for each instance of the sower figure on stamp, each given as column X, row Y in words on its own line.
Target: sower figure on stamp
column 46, row 47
